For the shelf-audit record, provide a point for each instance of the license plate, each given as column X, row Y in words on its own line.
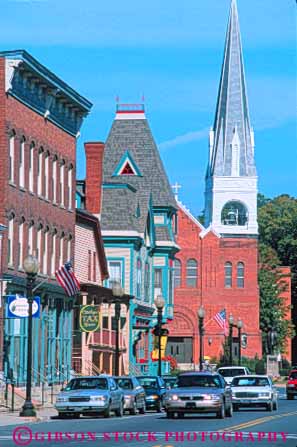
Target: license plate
column 190, row 405
column 71, row 409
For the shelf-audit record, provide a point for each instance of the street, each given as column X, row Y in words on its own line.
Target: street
column 247, row 427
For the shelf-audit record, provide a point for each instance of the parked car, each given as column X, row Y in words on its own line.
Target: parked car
column 228, row 372
column 253, row 391
column 170, row 381
column 199, row 392
column 292, row 385
column 155, row 390
column 134, row 394
column 91, row 395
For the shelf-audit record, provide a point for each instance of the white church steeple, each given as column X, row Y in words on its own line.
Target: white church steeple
column 231, row 179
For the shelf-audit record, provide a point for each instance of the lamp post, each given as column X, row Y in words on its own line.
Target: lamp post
column 160, row 303
column 31, row 267
column 117, row 292
column 231, row 324
column 272, row 337
column 201, row 315
column 239, row 326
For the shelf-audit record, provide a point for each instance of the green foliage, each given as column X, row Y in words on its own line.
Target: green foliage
column 260, row 367
column 278, row 247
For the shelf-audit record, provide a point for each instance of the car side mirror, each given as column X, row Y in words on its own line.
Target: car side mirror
column 112, row 388
column 62, row 389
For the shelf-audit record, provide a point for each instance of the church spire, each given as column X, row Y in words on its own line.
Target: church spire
column 232, row 115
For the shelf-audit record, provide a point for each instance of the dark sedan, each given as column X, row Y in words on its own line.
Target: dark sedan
column 155, row 390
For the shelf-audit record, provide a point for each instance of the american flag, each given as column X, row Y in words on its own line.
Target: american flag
column 67, row 279
column 220, row 318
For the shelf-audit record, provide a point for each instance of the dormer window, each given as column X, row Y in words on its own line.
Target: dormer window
column 127, row 166
column 127, row 170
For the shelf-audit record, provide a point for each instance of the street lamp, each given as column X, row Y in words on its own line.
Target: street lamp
column 201, row 315
column 272, row 338
column 239, row 326
column 160, row 303
column 231, row 324
column 31, row 267
column 117, row 292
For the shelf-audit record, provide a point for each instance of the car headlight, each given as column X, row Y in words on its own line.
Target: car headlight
column 153, row 396
column 99, row 398
column 173, row 397
column 264, row 394
column 129, row 396
column 62, row 399
column 211, row 397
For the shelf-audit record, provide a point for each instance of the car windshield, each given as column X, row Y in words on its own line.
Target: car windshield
column 199, row 381
column 293, row 375
column 231, row 372
column 148, row 382
column 125, row 384
column 87, row 384
column 250, row 381
column 170, row 380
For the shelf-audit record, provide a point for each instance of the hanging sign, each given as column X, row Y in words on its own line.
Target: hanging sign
column 89, row 318
column 155, row 351
column 18, row 307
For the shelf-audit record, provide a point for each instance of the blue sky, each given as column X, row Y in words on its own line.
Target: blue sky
column 170, row 52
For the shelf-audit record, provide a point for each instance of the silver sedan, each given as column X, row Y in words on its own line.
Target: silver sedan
column 134, row 394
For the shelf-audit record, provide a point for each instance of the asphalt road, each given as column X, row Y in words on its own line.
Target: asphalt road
column 246, row 427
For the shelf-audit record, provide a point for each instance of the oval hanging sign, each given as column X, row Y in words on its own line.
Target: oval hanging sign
column 89, row 318
column 18, row 307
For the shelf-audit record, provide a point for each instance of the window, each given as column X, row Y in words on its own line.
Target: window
column 192, row 273
column 70, row 170
column 22, row 164
column 10, row 239
column 61, row 251
column 30, row 238
column 40, row 172
column 115, row 272
column 62, row 182
column 234, row 213
column 158, row 282
column 105, row 324
column 11, row 157
column 54, row 180
column 240, row 275
column 127, row 170
column 45, row 251
column 147, row 275
column 38, row 251
column 53, row 257
column 46, row 178
column 177, row 273
column 69, row 248
column 21, row 243
column 138, row 278
column 228, row 274
column 31, row 168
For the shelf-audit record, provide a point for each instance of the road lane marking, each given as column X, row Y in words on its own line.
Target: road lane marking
column 258, row 421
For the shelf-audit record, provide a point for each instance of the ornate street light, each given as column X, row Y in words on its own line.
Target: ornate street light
column 117, row 292
column 239, row 326
column 160, row 303
column 31, row 267
column 231, row 324
column 201, row 315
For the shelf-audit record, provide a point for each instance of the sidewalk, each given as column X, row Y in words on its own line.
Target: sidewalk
column 9, row 418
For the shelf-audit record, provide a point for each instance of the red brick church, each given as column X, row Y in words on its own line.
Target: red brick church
column 217, row 265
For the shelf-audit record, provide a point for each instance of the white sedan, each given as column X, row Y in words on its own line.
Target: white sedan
column 253, row 391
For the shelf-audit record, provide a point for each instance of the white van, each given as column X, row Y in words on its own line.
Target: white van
column 228, row 372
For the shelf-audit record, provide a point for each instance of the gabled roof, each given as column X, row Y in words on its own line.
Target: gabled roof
column 233, row 136
column 123, row 209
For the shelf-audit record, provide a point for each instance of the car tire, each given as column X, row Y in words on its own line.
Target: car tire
column 76, row 415
column 269, row 406
column 133, row 410
column 275, row 406
column 229, row 411
column 290, row 397
column 142, row 409
column 221, row 414
column 180, row 415
column 107, row 412
column 169, row 415
column 120, row 411
column 159, row 407
column 235, row 407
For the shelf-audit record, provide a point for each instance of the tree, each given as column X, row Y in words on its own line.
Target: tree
column 277, row 220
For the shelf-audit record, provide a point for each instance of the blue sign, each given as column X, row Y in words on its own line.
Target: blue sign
column 18, row 307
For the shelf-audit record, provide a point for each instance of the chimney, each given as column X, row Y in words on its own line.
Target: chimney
column 94, row 160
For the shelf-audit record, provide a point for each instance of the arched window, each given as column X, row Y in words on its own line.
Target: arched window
column 228, row 274
column 61, row 250
column 21, row 243
column 31, row 167
column 40, row 172
column 10, row 238
column 22, row 163
column 54, row 179
column 46, row 174
column 192, row 273
column 177, row 273
column 45, row 251
column 30, row 237
column 53, row 254
column 138, row 278
column 62, row 182
column 234, row 213
column 240, row 274
column 70, row 179
column 11, row 156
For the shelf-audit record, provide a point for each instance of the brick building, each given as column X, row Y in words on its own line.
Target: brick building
column 40, row 118
column 217, row 265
